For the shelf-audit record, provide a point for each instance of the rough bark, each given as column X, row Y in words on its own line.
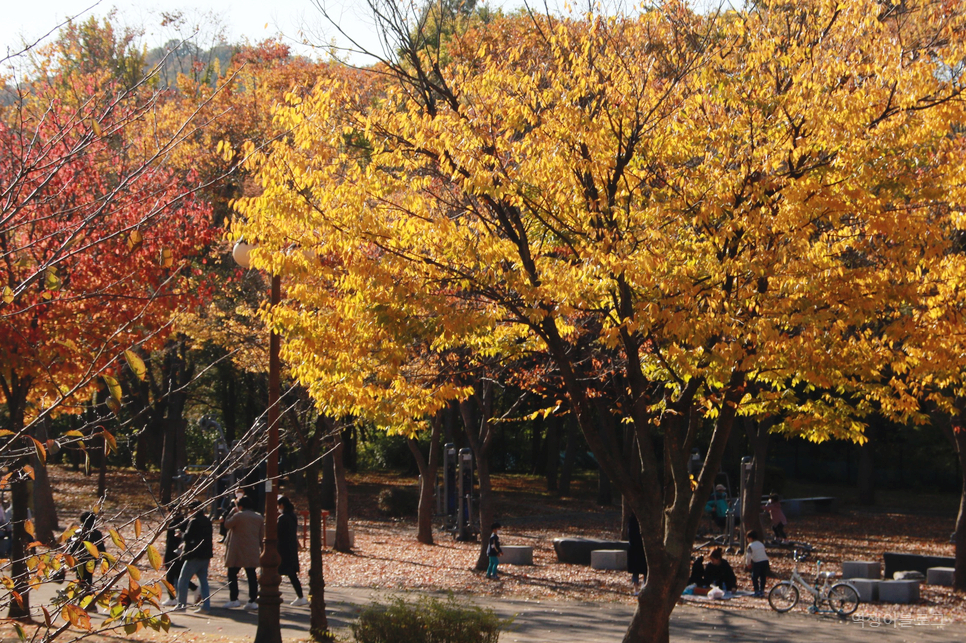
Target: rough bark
column 342, row 543
column 477, row 415
column 758, row 433
column 327, row 485
column 427, row 480
column 866, row 471
column 570, row 457
column 552, row 443
column 15, row 392
column 956, row 434
column 318, row 622
column 45, row 510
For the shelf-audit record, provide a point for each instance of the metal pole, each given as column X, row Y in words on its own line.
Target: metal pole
column 269, row 598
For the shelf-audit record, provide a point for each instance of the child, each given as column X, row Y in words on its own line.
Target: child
column 778, row 519
column 493, row 551
column 756, row 559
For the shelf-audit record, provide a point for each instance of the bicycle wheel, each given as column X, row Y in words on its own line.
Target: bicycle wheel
column 783, row 597
column 843, row 598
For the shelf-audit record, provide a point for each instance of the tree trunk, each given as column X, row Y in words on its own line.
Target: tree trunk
column 327, row 485
column 342, row 542
column 427, row 481
column 45, row 510
column 659, row 594
column 479, row 433
column 168, row 462
column 102, row 469
column 956, row 434
column 570, row 457
column 552, row 443
column 318, row 622
column 758, row 433
column 15, row 392
column 605, row 497
column 866, row 471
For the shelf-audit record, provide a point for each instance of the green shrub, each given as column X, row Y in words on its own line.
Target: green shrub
column 398, row 501
column 427, row 620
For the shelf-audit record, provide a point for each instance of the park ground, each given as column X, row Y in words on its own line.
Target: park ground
column 387, row 557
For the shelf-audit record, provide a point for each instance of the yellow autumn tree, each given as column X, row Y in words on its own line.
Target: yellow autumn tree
column 742, row 213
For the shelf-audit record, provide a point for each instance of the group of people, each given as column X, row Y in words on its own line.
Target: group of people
column 190, row 548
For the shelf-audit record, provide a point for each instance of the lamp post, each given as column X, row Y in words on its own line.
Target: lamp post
column 269, row 598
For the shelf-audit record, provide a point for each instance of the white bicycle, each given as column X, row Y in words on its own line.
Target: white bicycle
column 841, row 598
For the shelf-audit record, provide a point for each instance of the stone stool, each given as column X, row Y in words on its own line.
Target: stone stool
column 608, row 559
column 516, row 555
column 899, row 591
column 868, row 588
column 861, row 569
column 940, row 576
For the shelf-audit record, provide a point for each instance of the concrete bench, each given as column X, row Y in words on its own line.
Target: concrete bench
column 576, row 551
column 868, row 588
column 899, row 591
column 898, row 562
column 609, row 559
column 940, row 576
column 861, row 569
column 516, row 555
column 330, row 537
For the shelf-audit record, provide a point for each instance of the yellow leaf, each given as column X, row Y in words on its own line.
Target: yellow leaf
column 40, row 451
column 167, row 258
column 91, row 549
column 7, row 295
column 96, row 127
column 136, row 364
column 73, row 434
column 154, row 557
column 28, row 526
column 137, row 527
column 113, row 386
column 29, row 470
column 135, row 240
column 20, row 633
column 117, row 539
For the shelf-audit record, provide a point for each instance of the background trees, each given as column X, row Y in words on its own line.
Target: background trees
column 693, row 217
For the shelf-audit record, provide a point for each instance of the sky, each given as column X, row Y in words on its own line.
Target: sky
column 254, row 20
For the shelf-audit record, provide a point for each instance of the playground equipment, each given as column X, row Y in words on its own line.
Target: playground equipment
column 457, row 500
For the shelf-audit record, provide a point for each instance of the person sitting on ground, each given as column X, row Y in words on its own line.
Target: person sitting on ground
column 697, row 572
column 778, row 519
column 718, row 572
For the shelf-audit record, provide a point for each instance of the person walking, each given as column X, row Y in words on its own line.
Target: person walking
column 196, row 553
column 778, row 519
column 288, row 547
column 493, row 551
column 246, row 529
column 173, row 561
column 756, row 560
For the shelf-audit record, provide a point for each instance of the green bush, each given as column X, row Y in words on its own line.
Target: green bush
column 427, row 620
column 398, row 502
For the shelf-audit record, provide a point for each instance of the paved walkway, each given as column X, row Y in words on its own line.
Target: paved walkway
column 556, row 621
column 582, row 622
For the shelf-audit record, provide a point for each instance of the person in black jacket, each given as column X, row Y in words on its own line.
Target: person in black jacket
column 636, row 562
column 718, row 572
column 172, row 556
column 288, row 547
column 87, row 532
column 197, row 552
